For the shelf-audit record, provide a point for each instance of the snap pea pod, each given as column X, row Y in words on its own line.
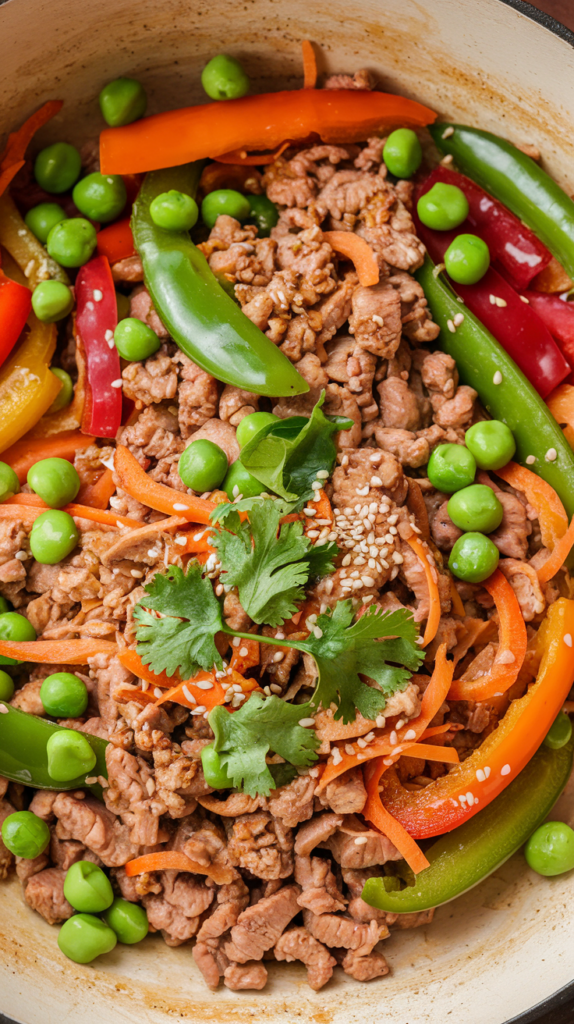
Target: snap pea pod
column 517, row 180
column 481, row 362
column 461, row 859
column 23, row 756
column 204, row 321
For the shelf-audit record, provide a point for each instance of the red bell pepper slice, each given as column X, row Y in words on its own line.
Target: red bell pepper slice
column 512, row 322
column 558, row 316
column 511, row 243
column 96, row 320
column 15, row 306
column 116, row 242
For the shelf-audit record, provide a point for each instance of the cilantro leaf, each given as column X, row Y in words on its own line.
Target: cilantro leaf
column 183, row 638
column 286, row 463
column 319, row 558
column 244, row 737
column 345, row 650
column 269, row 565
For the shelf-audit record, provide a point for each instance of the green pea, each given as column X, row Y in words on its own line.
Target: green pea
column 264, row 214
column 6, row 686
column 42, row 218
column 15, row 627
column 64, row 397
column 240, row 481
column 476, row 508
column 224, row 200
column 69, row 755
column 252, row 424
column 473, row 558
column 214, row 772
column 203, row 465
column 550, row 850
column 559, row 732
column 88, row 888
column 123, row 303
column 402, row 153
column 83, row 937
column 57, row 167
column 52, row 301
column 135, row 340
column 55, row 480
column 223, row 78
column 443, row 207
column 128, row 920
column 122, row 101
column 72, row 242
column 100, row 197
column 174, row 211
column 25, row 835
column 9, row 483
column 451, row 466
column 467, row 259
column 54, row 534
column 491, row 442
column 64, row 696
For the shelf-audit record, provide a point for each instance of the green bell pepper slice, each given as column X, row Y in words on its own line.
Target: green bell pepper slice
column 480, row 360
column 461, row 859
column 23, row 757
column 202, row 318
column 517, row 180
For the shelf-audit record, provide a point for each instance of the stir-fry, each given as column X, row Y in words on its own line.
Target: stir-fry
column 286, row 519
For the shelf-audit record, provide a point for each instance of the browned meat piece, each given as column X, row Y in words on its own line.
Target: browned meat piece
column 262, row 844
column 65, row 852
column 297, row 944
column 352, row 854
column 456, row 411
column 142, row 309
column 355, row 483
column 511, row 538
column 319, row 887
column 294, row 803
column 6, row 858
column 359, row 910
column 376, row 319
column 240, row 977
column 211, row 960
column 155, row 380
column 231, row 901
column 175, row 926
column 415, row 315
column 318, row 830
column 93, row 825
column 439, row 374
column 27, row 698
column 337, row 930
column 336, row 308
column 258, row 927
column 155, row 433
column 13, row 538
column 399, row 405
column 347, row 793
column 408, row 448
column 417, row 920
column 188, row 893
column 285, row 188
column 222, row 434
column 362, row 80
column 198, row 395
column 130, row 269
column 131, row 795
column 109, row 673
column 444, row 533
column 235, row 403
column 234, row 805
column 42, row 804
column 44, row 892
column 26, row 868
column 371, row 156
column 364, row 968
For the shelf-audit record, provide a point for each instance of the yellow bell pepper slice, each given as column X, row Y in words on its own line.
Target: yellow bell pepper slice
column 27, row 387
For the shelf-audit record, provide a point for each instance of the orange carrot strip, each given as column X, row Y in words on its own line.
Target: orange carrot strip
column 558, row 556
column 309, row 64
column 323, row 510
column 511, row 643
column 551, row 512
column 99, row 493
column 382, row 745
column 434, row 596
column 358, row 251
column 245, row 656
column 456, row 600
column 378, row 815
column 29, row 506
column 131, row 660
column 126, row 693
column 191, row 695
column 54, row 652
column 174, row 860
column 135, row 482
column 27, row 451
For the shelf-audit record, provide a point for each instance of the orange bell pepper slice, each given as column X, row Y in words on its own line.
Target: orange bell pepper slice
column 551, row 512
column 12, row 159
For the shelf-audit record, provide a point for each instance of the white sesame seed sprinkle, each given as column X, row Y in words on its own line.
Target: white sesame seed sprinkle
column 551, row 455
column 497, row 379
column 97, row 295
column 337, row 758
column 480, row 775
column 410, row 735
column 568, row 639
column 349, row 749
column 307, row 723
column 157, row 692
column 530, row 460
column 524, row 299
column 378, row 320
column 505, row 770
column 458, row 319
column 451, row 326
column 117, row 383
column 448, row 132
column 486, row 771
column 361, row 840
column 179, row 507
column 310, row 512
column 376, row 481
column 205, row 684
column 323, row 474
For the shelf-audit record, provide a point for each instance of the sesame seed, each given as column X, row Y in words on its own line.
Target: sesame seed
column 219, row 590
column 313, row 534
column 388, row 761
column 157, row 692
column 380, row 721
column 267, row 691
column 568, row 639
column 410, row 735
column 501, row 302
column 312, row 619
column 505, row 770
column 275, row 688
column 306, row 723
column 362, row 491
column 357, row 584
column 337, row 758
column 486, row 771
column 451, row 326
column 375, row 457
column 97, row 295
column 332, row 536
column 117, row 383
column 492, row 299
column 551, row 455
column 480, row 775
column 323, row 474
column 308, row 511
column 316, row 485
column 367, row 581
column 345, row 460
column 448, row 132
column 136, row 573
column 346, row 560
column 371, row 563
column 393, row 738
column 361, row 742
column 376, row 481
column 317, row 632
column 21, row 556
column 205, row 684
column 470, row 799
column 458, row 319
column 361, row 840
column 349, row 749
column 397, row 557
column 530, row 460
column 378, row 320
column 393, row 531
column 322, row 522
column 446, row 160
column 524, row 299
column 497, row 379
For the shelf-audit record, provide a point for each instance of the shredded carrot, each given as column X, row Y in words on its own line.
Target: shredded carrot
column 309, row 64
column 12, row 159
column 190, row 693
column 551, row 512
column 135, row 482
column 433, row 620
column 358, row 251
column 323, row 510
column 378, row 815
column 174, row 860
column 456, row 600
column 30, row 506
column 126, row 693
column 244, row 159
column 27, row 451
column 558, row 556
column 512, row 643
column 141, row 533
column 57, row 652
column 98, row 493
column 245, row 656
column 387, row 740
column 131, row 660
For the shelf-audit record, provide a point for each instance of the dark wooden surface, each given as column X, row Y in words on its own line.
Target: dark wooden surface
column 562, row 10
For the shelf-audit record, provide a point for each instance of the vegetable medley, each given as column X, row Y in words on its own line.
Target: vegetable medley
column 286, row 519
